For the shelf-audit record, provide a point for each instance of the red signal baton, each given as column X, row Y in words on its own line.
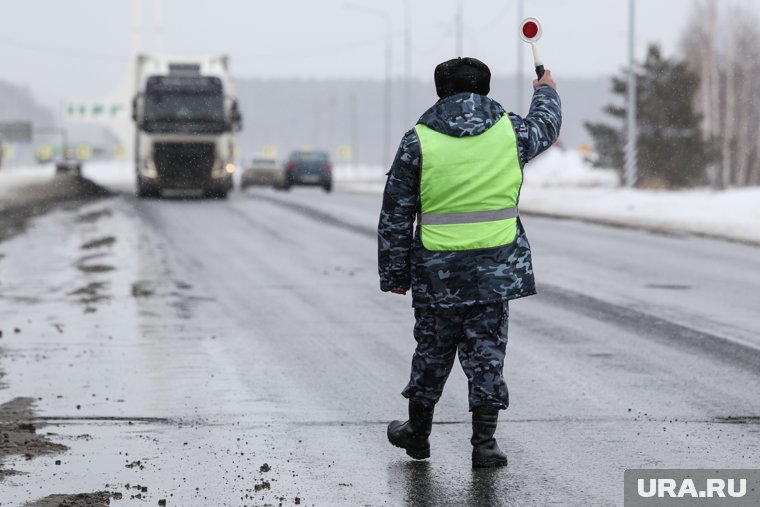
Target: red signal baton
column 530, row 32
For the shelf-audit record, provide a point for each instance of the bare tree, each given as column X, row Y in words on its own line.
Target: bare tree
column 744, row 114
column 699, row 46
column 722, row 47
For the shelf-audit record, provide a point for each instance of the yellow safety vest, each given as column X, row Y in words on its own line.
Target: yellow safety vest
column 469, row 188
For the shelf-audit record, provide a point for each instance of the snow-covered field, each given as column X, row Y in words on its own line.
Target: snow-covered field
column 558, row 183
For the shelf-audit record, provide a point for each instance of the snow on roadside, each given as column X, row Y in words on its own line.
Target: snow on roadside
column 731, row 214
column 559, row 183
column 344, row 173
column 560, row 168
column 114, row 174
column 35, row 188
column 14, row 179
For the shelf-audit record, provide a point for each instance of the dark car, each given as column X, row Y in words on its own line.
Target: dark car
column 307, row 167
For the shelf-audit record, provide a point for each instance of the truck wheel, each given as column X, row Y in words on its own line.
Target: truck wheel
column 216, row 194
column 147, row 192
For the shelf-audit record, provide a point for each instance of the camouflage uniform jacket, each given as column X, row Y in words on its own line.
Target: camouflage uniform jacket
column 447, row 279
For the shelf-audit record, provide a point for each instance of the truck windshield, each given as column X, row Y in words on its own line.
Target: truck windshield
column 184, row 106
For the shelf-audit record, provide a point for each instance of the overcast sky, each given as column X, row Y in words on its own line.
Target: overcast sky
column 78, row 49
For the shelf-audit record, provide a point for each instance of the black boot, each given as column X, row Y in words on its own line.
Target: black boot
column 485, row 450
column 413, row 434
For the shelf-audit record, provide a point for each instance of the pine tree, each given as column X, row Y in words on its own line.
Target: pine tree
column 671, row 148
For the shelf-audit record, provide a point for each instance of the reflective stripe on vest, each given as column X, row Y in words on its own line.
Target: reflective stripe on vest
column 468, row 217
column 469, row 188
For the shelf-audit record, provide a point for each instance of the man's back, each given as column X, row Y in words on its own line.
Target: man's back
column 479, row 276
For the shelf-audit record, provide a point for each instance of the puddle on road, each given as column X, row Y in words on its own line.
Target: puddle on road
column 667, row 286
column 98, row 499
column 106, row 241
column 143, row 288
column 94, row 216
column 91, row 294
column 94, row 268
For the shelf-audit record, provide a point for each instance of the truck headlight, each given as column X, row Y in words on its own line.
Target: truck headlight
column 230, row 168
column 149, row 169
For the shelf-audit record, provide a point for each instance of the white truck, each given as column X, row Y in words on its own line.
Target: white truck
column 186, row 115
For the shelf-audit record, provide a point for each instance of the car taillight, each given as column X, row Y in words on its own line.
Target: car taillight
column 329, row 167
column 291, row 166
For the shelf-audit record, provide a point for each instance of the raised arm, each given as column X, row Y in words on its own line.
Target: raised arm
column 539, row 130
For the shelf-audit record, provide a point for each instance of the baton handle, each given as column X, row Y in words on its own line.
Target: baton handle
column 537, row 61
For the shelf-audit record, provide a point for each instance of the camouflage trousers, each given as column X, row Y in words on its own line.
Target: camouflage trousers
column 479, row 334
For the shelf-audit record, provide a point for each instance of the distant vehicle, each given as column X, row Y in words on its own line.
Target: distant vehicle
column 262, row 171
column 186, row 113
column 307, row 167
column 69, row 164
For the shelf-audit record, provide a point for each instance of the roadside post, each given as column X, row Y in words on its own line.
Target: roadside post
column 530, row 32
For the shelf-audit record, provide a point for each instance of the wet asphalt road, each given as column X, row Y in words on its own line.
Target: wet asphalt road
column 197, row 341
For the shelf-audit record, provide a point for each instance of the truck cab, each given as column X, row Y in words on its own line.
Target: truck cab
column 185, row 115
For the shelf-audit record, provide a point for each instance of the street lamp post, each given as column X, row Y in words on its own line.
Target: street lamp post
column 460, row 29
column 631, row 169
column 407, row 59
column 388, row 41
column 352, row 121
column 520, row 50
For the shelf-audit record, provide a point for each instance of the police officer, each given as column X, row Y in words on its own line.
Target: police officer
column 458, row 175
